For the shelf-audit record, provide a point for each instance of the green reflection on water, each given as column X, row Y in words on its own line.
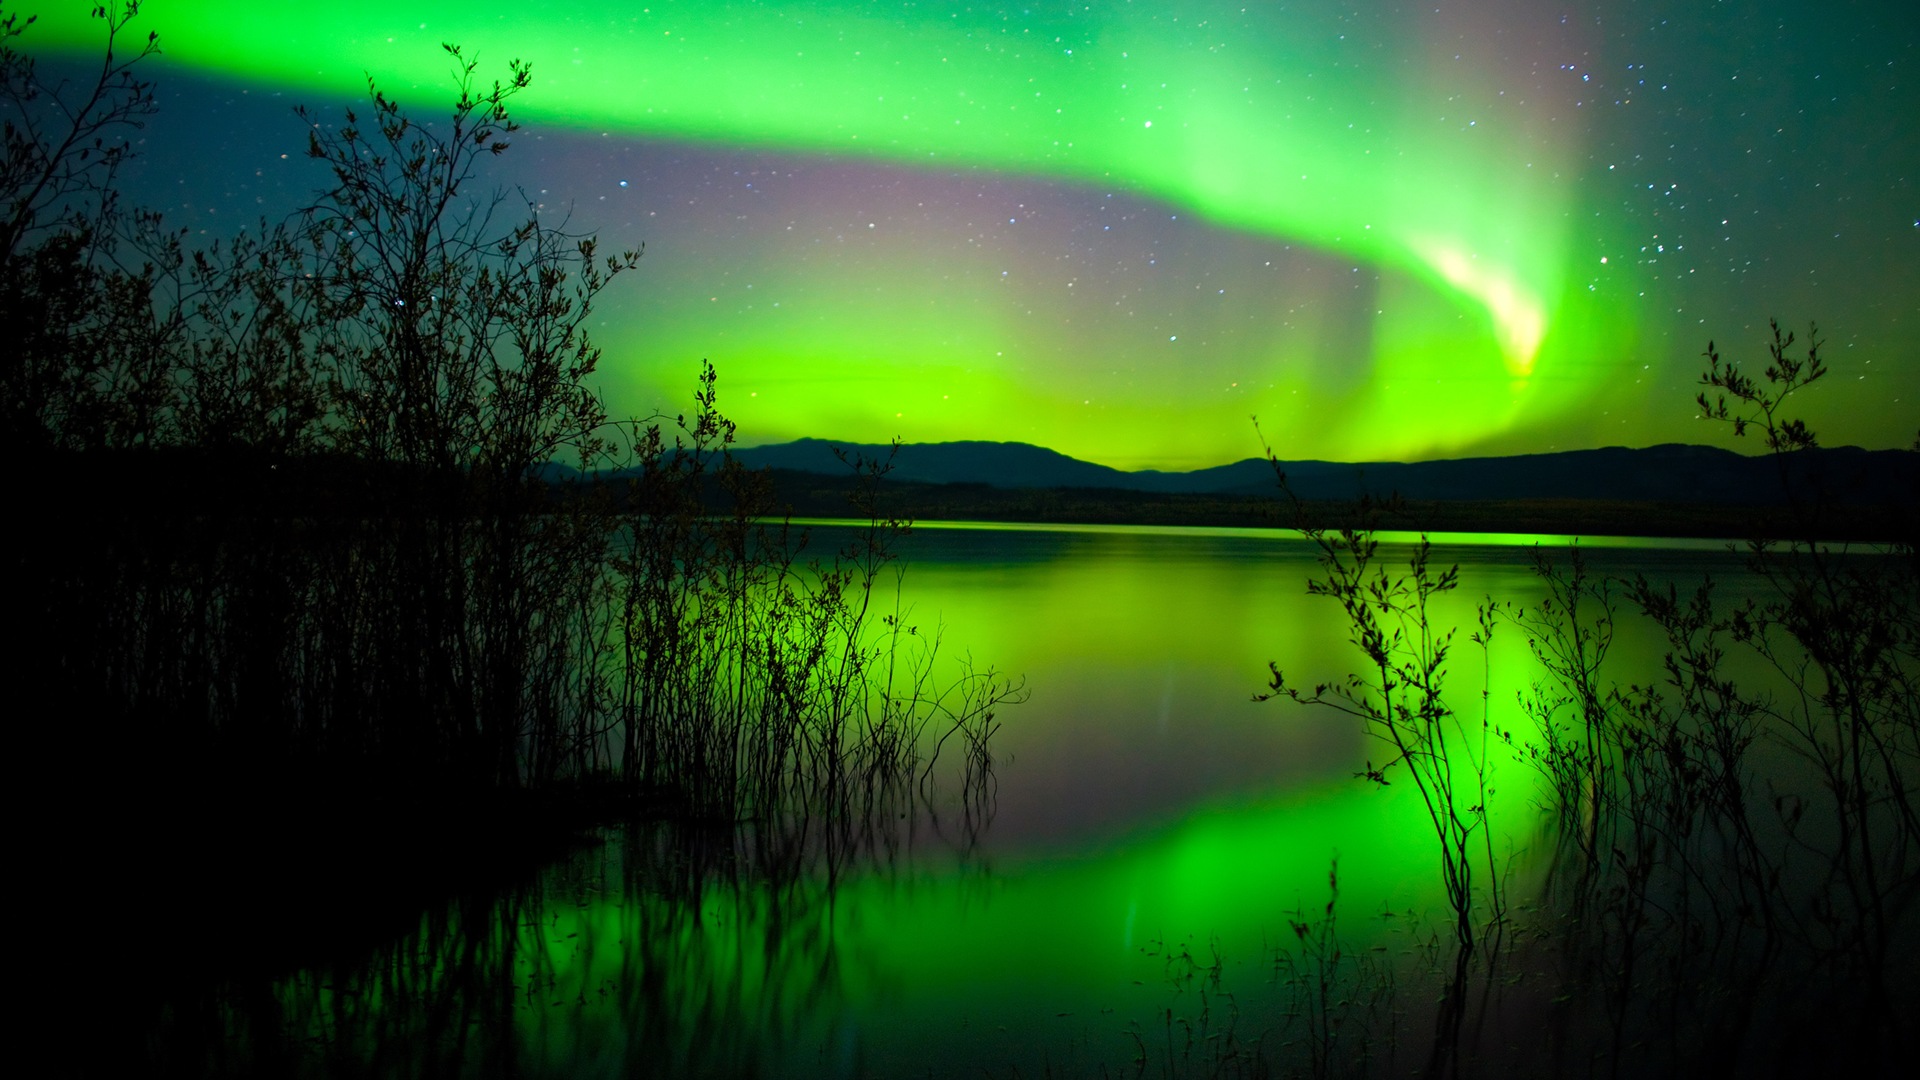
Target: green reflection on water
column 1146, row 806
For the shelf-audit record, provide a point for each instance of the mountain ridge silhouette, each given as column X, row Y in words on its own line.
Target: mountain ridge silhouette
column 1668, row 473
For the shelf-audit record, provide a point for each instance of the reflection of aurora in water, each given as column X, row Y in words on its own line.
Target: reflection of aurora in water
column 1118, row 230
column 595, row 972
column 622, row 956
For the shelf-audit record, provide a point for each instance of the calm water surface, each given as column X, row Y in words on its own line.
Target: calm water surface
column 1147, row 811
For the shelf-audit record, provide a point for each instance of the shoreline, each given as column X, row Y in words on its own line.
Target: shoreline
column 817, row 498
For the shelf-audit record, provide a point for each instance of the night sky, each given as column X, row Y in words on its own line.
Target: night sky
column 1392, row 231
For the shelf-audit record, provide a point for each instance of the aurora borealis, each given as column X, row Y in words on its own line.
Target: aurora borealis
column 1121, row 229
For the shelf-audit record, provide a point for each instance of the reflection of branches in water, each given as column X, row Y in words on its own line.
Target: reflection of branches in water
column 686, row 949
column 696, row 944
column 698, row 948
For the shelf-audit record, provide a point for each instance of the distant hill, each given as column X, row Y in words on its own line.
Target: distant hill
column 1670, row 473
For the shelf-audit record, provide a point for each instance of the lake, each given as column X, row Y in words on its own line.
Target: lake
column 1153, row 829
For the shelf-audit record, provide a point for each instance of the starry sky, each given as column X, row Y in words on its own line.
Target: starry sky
column 1120, row 230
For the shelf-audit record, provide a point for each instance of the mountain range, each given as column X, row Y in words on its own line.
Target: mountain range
column 1669, row 473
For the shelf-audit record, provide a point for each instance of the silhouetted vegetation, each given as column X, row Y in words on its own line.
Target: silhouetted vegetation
column 1734, row 853
column 297, row 580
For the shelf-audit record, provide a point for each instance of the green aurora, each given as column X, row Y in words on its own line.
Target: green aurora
column 1395, row 233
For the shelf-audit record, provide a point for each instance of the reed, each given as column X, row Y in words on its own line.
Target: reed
column 1733, row 859
column 306, row 540
column 1400, row 700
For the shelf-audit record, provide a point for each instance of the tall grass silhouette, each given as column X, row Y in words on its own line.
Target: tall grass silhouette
column 1732, row 859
